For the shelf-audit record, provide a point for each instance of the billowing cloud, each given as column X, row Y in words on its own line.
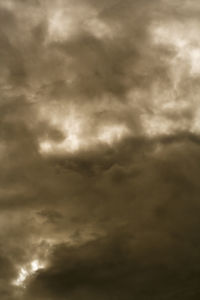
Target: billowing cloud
column 99, row 150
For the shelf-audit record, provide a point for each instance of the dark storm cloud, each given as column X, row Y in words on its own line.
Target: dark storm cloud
column 149, row 245
column 148, row 217
column 8, row 272
column 120, row 266
column 117, row 218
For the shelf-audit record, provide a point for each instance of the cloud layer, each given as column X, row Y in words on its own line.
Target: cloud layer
column 99, row 150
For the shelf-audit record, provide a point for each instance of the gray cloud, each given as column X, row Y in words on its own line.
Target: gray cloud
column 99, row 150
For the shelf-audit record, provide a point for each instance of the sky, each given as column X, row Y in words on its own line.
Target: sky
column 99, row 150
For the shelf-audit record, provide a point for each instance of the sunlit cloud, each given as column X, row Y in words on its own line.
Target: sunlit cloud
column 77, row 140
column 113, row 133
column 78, row 133
column 60, row 25
column 98, row 28
column 28, row 270
column 185, row 41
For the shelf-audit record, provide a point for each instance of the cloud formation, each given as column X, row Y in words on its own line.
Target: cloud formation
column 99, row 150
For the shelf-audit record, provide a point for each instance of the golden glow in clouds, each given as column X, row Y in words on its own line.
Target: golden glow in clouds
column 26, row 271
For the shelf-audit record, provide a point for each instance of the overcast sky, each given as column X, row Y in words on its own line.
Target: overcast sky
column 99, row 149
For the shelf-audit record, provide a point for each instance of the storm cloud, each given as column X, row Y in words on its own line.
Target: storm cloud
column 99, row 150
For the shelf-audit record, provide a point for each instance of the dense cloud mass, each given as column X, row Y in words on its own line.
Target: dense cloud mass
column 99, row 150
